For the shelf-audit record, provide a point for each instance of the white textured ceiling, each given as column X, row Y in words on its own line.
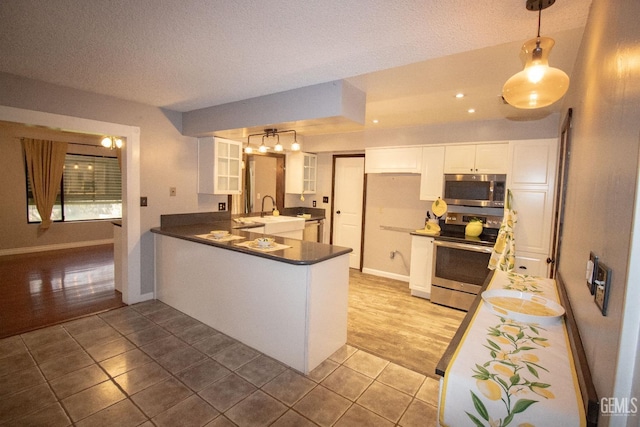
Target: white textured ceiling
column 407, row 55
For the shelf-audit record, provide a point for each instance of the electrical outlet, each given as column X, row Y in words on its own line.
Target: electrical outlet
column 592, row 269
column 143, row 201
column 325, row 199
column 314, row 203
column 172, row 191
column 603, row 287
column 222, row 206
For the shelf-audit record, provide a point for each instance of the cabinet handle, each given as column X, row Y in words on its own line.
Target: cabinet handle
column 338, row 212
column 522, row 267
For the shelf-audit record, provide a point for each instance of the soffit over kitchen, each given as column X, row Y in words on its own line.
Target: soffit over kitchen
column 409, row 57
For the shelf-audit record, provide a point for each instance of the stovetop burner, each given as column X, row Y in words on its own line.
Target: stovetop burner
column 453, row 227
column 456, row 234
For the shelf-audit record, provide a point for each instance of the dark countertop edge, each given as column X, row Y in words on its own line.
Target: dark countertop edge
column 300, row 253
column 443, row 363
column 117, row 222
column 469, row 241
column 415, row 233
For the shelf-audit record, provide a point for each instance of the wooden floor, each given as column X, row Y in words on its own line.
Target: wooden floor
column 46, row 288
column 385, row 320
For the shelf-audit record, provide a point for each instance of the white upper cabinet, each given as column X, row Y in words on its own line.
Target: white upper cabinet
column 301, row 173
column 393, row 160
column 219, row 166
column 532, row 162
column 477, row 158
column 431, row 175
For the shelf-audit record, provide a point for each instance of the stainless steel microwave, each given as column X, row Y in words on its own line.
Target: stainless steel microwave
column 475, row 190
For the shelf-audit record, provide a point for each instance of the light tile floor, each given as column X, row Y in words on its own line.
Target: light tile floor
column 149, row 364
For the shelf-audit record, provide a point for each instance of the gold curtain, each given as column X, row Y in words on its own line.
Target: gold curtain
column 45, row 163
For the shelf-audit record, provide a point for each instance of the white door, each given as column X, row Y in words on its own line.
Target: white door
column 348, row 193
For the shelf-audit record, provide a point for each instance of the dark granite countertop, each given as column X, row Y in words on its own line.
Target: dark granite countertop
column 300, row 253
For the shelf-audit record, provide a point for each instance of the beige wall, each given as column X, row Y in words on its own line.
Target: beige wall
column 393, row 206
column 167, row 158
column 17, row 234
column 603, row 176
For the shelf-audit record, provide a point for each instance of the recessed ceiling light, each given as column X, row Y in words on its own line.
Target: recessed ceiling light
column 375, row 121
column 459, row 95
column 471, row 110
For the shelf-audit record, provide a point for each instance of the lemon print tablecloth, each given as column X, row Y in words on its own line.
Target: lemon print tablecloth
column 511, row 373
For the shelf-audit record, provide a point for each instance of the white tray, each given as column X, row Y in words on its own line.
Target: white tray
column 523, row 307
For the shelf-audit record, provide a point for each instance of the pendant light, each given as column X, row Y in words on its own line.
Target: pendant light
column 537, row 85
column 272, row 134
column 111, row 142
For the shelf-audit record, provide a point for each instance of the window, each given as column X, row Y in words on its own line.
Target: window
column 91, row 189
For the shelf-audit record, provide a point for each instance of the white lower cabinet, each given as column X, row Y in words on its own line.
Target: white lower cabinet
column 531, row 263
column 421, row 266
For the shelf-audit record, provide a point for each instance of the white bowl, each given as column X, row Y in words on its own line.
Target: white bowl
column 264, row 242
column 522, row 306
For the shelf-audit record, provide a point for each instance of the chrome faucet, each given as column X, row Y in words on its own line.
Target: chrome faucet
column 273, row 204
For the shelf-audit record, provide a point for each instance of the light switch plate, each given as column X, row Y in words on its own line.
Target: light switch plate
column 592, row 269
column 603, row 287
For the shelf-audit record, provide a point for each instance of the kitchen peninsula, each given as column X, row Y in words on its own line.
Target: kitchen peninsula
column 289, row 303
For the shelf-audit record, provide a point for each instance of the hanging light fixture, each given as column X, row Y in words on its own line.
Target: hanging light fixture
column 111, row 142
column 272, row 134
column 538, row 84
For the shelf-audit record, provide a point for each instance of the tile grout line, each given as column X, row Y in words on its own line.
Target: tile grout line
column 192, row 392
column 109, row 377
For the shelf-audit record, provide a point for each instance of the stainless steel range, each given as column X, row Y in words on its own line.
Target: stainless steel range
column 459, row 261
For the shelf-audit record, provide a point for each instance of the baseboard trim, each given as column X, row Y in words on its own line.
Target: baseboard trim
column 386, row 274
column 421, row 294
column 146, row 297
column 54, row 247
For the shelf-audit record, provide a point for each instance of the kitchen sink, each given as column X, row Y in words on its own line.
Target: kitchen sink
column 276, row 224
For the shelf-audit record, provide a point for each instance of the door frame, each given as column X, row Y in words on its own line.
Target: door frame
column 364, row 202
column 564, row 155
column 131, row 214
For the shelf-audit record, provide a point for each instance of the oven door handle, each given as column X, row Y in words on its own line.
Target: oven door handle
column 464, row 246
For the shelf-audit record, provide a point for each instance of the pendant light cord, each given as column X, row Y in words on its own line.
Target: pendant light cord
column 539, row 17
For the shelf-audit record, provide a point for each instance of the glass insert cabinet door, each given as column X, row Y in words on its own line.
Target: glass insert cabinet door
column 301, row 173
column 310, row 167
column 219, row 166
